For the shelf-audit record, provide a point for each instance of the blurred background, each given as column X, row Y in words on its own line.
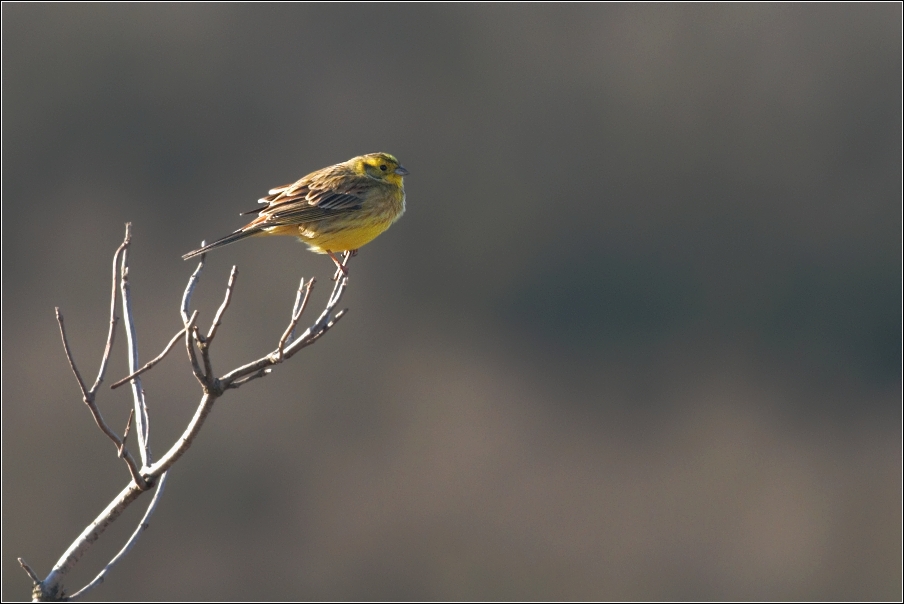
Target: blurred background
column 638, row 335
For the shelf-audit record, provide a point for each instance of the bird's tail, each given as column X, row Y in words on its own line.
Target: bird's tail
column 232, row 237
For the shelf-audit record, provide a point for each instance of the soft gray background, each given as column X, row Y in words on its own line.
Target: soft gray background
column 638, row 335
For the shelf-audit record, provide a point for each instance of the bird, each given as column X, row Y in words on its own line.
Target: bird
column 335, row 209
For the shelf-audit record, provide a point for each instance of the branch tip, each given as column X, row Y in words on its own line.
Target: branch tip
column 28, row 569
column 68, row 351
column 218, row 318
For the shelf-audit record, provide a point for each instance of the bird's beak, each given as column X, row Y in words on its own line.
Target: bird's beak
column 401, row 171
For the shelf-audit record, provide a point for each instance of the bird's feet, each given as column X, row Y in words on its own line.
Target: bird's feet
column 340, row 267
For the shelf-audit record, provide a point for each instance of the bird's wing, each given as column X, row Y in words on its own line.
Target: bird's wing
column 321, row 194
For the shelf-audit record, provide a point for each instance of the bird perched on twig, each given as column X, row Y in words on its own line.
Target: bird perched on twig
column 335, row 209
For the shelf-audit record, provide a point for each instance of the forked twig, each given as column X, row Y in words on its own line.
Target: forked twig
column 51, row 587
column 88, row 398
column 323, row 323
column 300, row 303
column 142, row 526
column 244, row 374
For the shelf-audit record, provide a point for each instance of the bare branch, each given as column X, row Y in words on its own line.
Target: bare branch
column 204, row 347
column 142, row 526
column 182, row 445
column 190, row 288
column 319, row 334
column 78, row 376
column 88, row 398
column 152, row 362
column 51, row 588
column 204, row 342
column 300, row 303
column 243, row 374
column 27, row 569
column 110, row 334
column 91, row 534
column 142, row 421
column 125, row 433
column 113, row 318
column 257, row 374
column 196, row 369
column 247, row 369
column 217, row 319
column 323, row 323
column 137, row 478
column 189, row 323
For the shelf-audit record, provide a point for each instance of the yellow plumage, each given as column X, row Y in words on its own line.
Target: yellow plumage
column 336, row 209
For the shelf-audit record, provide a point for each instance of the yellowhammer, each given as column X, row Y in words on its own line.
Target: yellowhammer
column 335, row 209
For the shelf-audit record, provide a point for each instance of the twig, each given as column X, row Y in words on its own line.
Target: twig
column 186, row 302
column 190, row 288
column 204, row 342
column 78, row 376
column 297, row 308
column 196, row 369
column 296, row 316
column 125, row 433
column 257, row 374
column 217, row 319
column 110, row 334
column 142, row 421
column 127, row 240
column 319, row 334
column 142, row 526
column 311, row 333
column 204, row 347
column 31, row 573
column 323, row 322
column 242, row 375
column 88, row 398
column 152, row 362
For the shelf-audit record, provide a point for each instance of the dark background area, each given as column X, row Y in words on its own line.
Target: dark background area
column 638, row 335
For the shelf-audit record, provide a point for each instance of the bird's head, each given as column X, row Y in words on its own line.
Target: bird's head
column 381, row 166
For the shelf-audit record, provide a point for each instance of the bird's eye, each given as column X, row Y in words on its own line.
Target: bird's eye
column 383, row 167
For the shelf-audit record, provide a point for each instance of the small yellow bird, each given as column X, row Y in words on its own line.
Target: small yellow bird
column 335, row 209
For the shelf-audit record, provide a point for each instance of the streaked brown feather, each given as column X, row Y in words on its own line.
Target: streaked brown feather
column 328, row 192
